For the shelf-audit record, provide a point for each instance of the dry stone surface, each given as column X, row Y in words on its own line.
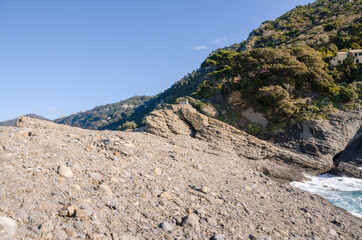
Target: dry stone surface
column 115, row 192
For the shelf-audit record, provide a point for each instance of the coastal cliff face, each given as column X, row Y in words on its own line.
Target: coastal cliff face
column 349, row 161
column 308, row 149
column 321, row 137
column 337, row 138
column 61, row 182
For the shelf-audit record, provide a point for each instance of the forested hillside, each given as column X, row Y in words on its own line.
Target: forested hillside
column 104, row 115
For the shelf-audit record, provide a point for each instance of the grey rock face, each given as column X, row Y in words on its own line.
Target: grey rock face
column 255, row 117
column 325, row 138
column 310, row 148
column 349, row 161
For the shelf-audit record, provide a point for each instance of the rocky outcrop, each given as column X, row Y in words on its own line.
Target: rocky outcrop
column 271, row 159
column 349, row 161
column 323, row 137
column 12, row 122
column 60, row 182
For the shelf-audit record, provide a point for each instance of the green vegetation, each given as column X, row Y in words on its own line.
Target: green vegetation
column 221, row 60
column 348, row 94
column 279, row 82
column 207, row 89
column 128, row 126
column 254, row 128
column 275, row 101
column 316, row 25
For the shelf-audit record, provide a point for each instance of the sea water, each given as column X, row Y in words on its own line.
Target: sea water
column 343, row 192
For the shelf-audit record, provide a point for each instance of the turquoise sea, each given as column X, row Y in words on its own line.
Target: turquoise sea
column 343, row 192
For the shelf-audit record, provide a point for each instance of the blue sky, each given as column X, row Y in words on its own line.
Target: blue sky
column 62, row 57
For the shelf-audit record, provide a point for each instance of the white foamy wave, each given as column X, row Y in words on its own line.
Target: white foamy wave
column 343, row 192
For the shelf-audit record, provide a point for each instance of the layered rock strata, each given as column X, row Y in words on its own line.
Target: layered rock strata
column 274, row 160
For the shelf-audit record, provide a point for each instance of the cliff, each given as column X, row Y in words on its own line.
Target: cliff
column 311, row 150
column 337, row 138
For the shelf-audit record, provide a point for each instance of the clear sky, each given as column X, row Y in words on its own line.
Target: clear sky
column 62, row 57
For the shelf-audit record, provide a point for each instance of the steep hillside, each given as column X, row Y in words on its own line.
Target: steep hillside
column 276, row 78
column 13, row 121
column 281, row 74
column 280, row 82
column 102, row 116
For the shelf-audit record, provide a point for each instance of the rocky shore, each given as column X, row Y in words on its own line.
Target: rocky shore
column 193, row 179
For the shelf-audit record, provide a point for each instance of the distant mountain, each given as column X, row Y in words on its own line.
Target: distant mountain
column 186, row 86
column 13, row 121
column 102, row 116
column 281, row 74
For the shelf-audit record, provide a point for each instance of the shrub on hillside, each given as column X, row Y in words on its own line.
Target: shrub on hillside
column 207, row 89
column 270, row 79
column 254, row 128
column 128, row 126
column 347, row 94
column 275, row 101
